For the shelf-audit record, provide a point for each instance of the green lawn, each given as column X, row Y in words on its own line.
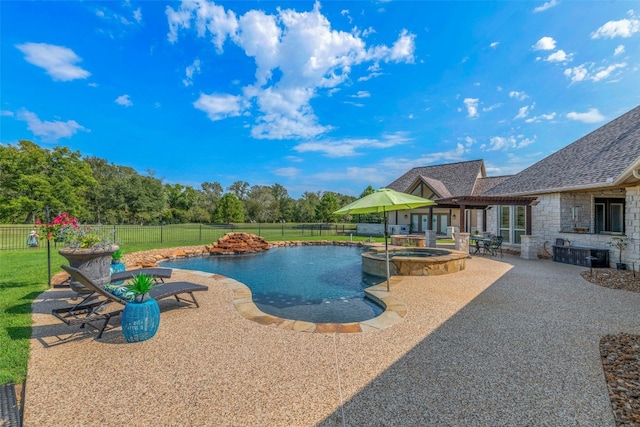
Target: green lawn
column 24, row 276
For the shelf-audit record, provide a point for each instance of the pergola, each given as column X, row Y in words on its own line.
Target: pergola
column 481, row 202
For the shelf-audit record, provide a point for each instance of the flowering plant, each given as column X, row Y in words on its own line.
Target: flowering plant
column 65, row 228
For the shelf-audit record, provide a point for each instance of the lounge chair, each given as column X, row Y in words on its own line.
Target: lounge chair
column 86, row 313
column 158, row 274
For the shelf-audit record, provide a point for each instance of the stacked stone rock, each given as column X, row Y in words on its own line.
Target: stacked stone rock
column 238, row 243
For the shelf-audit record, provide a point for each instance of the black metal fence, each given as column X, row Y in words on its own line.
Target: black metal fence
column 13, row 237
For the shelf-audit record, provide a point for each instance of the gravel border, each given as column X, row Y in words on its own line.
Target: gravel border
column 620, row 353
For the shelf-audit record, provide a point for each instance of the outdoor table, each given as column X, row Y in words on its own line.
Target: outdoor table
column 476, row 246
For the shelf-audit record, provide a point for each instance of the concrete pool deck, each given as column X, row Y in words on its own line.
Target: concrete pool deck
column 503, row 342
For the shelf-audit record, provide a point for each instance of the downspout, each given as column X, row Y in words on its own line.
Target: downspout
column 636, row 173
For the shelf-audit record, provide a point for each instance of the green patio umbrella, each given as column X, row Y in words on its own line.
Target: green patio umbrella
column 384, row 200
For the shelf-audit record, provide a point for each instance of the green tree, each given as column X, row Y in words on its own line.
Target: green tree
column 106, row 199
column 180, row 200
column 326, row 207
column 260, row 204
column 229, row 209
column 305, row 207
column 209, row 195
column 285, row 205
column 240, row 189
column 32, row 178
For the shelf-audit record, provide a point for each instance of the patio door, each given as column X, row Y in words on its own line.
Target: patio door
column 419, row 223
column 440, row 223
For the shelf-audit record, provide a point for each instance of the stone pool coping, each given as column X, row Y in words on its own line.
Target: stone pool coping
column 394, row 309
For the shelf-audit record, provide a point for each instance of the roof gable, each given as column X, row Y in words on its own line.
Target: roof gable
column 456, row 179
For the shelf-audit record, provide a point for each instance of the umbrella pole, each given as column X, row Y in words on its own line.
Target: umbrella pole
column 386, row 249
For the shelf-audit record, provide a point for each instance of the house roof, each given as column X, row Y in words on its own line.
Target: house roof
column 450, row 179
column 605, row 157
column 436, row 185
column 487, row 183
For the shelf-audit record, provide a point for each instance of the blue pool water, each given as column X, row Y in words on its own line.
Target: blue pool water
column 311, row 283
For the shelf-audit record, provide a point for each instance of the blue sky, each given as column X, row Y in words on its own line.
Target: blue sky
column 315, row 96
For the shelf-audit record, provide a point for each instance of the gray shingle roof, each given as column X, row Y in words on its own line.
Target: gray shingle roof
column 595, row 160
column 437, row 186
column 458, row 179
column 487, row 183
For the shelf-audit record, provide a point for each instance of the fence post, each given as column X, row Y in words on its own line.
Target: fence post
column 48, row 249
column 200, row 236
column 115, row 230
column 283, row 229
column 161, row 231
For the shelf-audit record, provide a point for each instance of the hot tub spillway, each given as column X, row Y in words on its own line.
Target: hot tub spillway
column 414, row 262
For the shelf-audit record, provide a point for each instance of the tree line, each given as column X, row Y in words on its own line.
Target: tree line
column 34, row 179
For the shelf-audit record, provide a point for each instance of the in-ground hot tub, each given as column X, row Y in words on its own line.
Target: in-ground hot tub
column 414, row 262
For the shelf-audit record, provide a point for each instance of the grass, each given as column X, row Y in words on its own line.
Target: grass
column 24, row 277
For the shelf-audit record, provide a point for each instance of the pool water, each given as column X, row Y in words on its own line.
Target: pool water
column 311, row 283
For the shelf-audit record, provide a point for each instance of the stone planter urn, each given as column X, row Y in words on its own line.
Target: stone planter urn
column 92, row 262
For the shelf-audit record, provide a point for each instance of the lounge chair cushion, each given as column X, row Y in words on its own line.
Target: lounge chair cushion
column 120, row 291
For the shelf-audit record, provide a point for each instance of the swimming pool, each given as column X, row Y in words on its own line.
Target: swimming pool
column 322, row 284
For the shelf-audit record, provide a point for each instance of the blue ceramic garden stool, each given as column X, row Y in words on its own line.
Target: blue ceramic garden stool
column 140, row 320
column 117, row 267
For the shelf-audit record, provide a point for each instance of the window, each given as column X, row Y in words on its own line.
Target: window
column 423, row 191
column 519, row 226
column 505, row 223
column 512, row 223
column 609, row 215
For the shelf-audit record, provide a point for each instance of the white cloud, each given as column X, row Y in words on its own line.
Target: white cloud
column 558, row 56
column 591, row 116
column 220, row 107
column 604, row 73
column 522, row 112
column 310, row 57
column 124, row 100
column 541, row 117
column 390, row 168
column 289, row 172
column 362, row 94
column 577, row 74
column 619, row 50
column 494, row 44
column 468, row 141
column 510, row 142
column 545, row 6
column 520, row 96
column 545, row 43
column 491, row 107
column 49, row 131
column 623, row 28
column 137, row 15
column 190, row 71
column 589, row 72
column 6, row 113
column 472, row 107
column 57, row 61
column 349, row 147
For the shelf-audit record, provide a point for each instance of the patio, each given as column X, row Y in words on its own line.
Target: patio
column 503, row 342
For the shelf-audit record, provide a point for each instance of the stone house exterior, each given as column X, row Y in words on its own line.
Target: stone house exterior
column 585, row 194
